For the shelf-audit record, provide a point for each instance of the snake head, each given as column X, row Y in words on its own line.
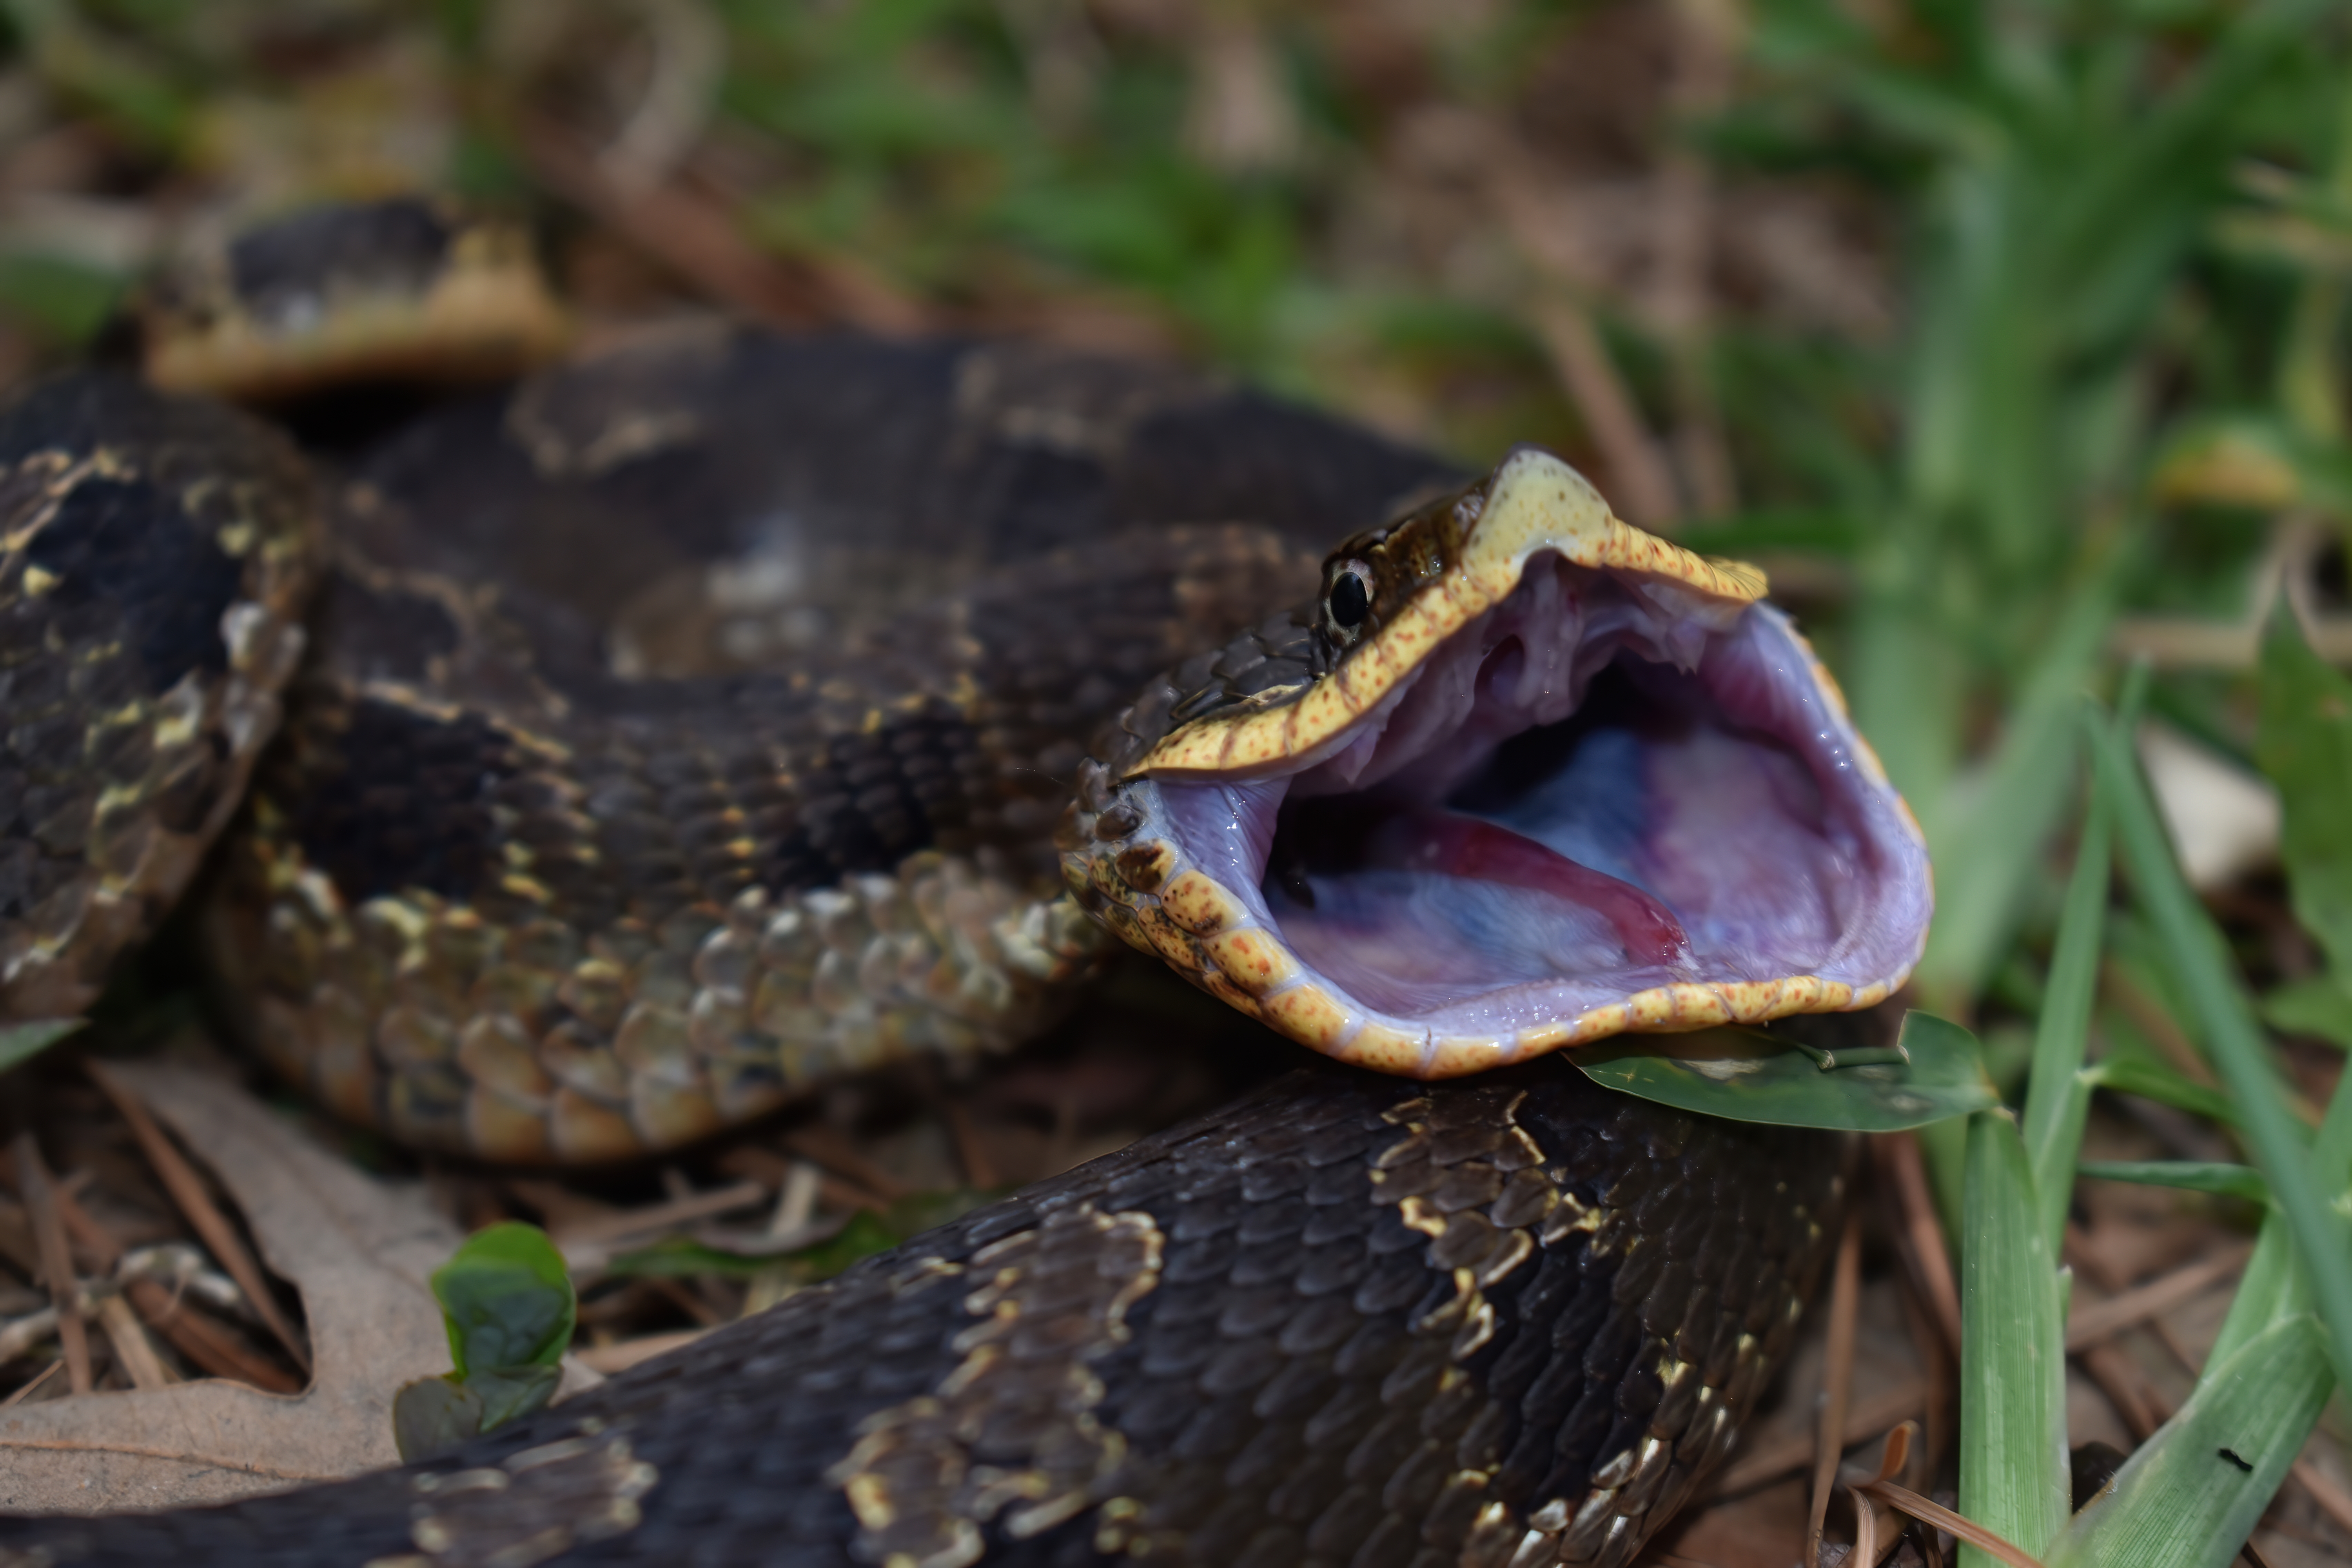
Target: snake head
column 1520, row 777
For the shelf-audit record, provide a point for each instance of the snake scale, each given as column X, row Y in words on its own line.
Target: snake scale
column 722, row 711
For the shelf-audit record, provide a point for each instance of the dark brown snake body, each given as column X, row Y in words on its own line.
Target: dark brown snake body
column 536, row 875
column 1352, row 1321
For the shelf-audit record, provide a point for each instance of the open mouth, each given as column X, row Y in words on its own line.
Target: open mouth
column 1542, row 779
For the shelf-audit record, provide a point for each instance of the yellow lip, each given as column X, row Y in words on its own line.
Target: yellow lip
column 1534, row 502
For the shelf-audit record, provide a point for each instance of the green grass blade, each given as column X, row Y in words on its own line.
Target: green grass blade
column 2305, row 745
column 2133, row 1068
column 2058, row 1096
column 1985, row 854
column 2272, row 1289
column 2275, row 1286
column 2240, row 1056
column 2192, row 1494
column 23, row 1042
column 2013, row 1476
column 2189, row 1175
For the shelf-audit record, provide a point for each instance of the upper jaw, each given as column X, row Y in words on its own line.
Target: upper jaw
column 1565, row 779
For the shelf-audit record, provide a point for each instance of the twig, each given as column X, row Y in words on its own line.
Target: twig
column 795, row 1206
column 622, row 1355
column 620, row 1222
column 2333, row 1501
column 1643, row 488
column 689, row 50
column 2098, row 1320
column 192, row 1334
column 697, row 238
column 57, row 1262
column 978, row 1170
column 1905, row 1500
column 187, row 1190
column 1923, row 1233
column 211, row 1347
column 26, row 1392
column 134, row 1350
column 1870, row 1415
column 1837, row 1382
column 2138, row 1402
column 831, row 1148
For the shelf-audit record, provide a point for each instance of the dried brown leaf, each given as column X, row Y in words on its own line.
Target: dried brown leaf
column 359, row 1252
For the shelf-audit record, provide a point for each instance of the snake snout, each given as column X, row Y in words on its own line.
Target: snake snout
column 1547, row 779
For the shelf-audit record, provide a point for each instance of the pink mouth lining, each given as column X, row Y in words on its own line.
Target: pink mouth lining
column 1599, row 787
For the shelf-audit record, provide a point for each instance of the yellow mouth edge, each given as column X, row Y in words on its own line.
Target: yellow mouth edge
column 1534, row 502
column 1181, row 914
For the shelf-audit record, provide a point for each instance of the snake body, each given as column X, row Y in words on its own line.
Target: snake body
column 696, row 722
column 1350, row 1321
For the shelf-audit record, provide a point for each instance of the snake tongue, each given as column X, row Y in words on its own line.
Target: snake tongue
column 1373, row 835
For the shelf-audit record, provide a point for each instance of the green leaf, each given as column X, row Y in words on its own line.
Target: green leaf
column 2193, row 1175
column 2320, row 1006
column 507, row 1299
column 23, row 1042
column 1747, row 1075
column 2191, row 1495
column 2305, row 745
column 509, row 1391
column 433, row 1415
column 2014, row 1478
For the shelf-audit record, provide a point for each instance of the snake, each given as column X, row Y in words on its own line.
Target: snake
column 621, row 748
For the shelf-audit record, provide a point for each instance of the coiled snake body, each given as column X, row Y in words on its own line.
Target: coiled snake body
column 536, row 874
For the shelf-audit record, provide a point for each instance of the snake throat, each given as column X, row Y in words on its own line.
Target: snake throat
column 1567, row 781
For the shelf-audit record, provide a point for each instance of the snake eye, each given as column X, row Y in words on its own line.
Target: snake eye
column 1349, row 602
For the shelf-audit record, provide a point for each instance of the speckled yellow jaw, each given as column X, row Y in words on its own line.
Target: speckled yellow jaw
column 1557, row 780
column 1450, row 567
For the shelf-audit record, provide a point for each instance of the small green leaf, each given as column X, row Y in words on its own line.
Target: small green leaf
column 2193, row 1175
column 507, row 1301
column 2320, row 1006
column 2191, row 1495
column 23, row 1042
column 433, row 1415
column 508, row 1392
column 1747, row 1075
